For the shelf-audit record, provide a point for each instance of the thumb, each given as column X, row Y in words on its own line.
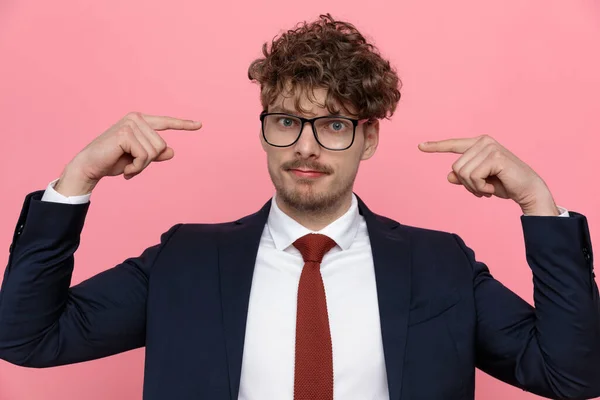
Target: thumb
column 166, row 154
column 452, row 178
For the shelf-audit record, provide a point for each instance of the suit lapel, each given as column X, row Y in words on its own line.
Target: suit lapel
column 238, row 247
column 391, row 257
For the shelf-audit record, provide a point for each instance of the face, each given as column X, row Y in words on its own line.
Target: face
column 308, row 177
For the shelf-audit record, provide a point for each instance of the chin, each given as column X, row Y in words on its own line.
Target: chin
column 302, row 192
column 307, row 198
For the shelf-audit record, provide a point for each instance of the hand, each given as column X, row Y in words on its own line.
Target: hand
column 488, row 169
column 127, row 148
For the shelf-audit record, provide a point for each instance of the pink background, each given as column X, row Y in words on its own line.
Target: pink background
column 525, row 72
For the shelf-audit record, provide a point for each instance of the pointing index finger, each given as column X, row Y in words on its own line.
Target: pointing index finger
column 458, row 146
column 161, row 123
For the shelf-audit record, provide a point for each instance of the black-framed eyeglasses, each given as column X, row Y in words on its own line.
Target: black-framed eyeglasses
column 331, row 132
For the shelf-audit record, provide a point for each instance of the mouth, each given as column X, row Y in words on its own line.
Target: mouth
column 306, row 173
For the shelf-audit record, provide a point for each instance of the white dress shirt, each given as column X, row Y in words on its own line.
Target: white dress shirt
column 349, row 280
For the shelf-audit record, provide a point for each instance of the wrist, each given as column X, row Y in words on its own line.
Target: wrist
column 541, row 208
column 73, row 182
column 539, row 201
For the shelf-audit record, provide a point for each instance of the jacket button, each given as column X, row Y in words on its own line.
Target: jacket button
column 586, row 254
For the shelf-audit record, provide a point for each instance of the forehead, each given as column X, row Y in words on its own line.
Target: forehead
column 306, row 102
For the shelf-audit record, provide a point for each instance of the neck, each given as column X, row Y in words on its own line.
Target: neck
column 315, row 221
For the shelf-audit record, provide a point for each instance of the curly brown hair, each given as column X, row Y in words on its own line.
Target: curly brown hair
column 333, row 55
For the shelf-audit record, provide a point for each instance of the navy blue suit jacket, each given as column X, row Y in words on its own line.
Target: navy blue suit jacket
column 186, row 299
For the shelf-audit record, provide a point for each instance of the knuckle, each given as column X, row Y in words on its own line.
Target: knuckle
column 129, row 125
column 162, row 145
column 152, row 154
column 133, row 116
column 492, row 147
column 175, row 124
column 125, row 130
column 143, row 156
column 487, row 138
column 497, row 154
column 456, row 167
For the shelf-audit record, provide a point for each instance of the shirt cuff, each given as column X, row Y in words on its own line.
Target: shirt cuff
column 52, row 196
column 563, row 212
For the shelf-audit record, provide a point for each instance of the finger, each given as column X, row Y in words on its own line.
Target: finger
column 130, row 145
column 166, row 155
column 465, row 172
column 453, row 178
column 486, row 170
column 161, row 123
column 164, row 152
column 469, row 154
column 457, row 180
column 457, row 146
column 150, row 150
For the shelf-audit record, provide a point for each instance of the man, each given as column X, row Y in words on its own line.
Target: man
column 314, row 296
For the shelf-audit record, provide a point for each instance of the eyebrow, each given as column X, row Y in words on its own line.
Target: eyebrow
column 285, row 110
column 280, row 109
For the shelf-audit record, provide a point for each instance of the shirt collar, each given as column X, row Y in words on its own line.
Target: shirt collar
column 285, row 231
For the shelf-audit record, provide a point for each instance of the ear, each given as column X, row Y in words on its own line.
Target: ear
column 371, row 130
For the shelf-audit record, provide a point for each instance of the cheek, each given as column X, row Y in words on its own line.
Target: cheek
column 274, row 161
column 351, row 162
column 271, row 155
column 273, row 166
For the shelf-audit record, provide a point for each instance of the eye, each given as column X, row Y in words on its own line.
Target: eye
column 338, row 125
column 286, row 122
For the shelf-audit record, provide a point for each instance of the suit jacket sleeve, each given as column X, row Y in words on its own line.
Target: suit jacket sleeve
column 552, row 350
column 44, row 322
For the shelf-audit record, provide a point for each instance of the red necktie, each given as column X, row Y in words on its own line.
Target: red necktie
column 313, row 375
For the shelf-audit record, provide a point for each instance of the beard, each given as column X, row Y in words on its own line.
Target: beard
column 304, row 198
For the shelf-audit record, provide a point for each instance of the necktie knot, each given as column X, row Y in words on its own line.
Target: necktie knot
column 314, row 246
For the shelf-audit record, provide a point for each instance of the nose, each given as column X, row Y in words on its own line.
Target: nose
column 307, row 145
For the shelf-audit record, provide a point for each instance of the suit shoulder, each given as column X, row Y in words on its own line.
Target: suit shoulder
column 422, row 239
column 196, row 228
column 199, row 228
column 437, row 252
column 417, row 232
